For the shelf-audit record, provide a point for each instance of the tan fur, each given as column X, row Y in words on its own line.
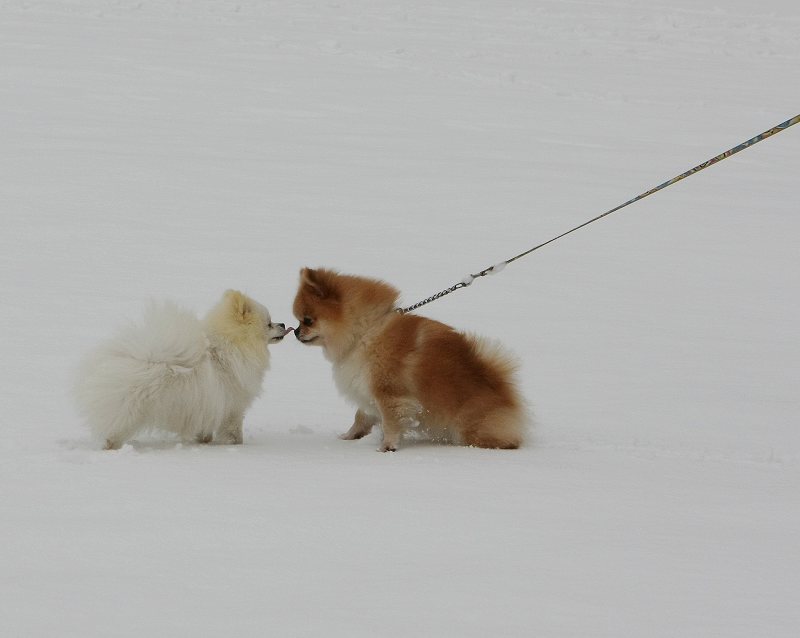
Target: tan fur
column 407, row 371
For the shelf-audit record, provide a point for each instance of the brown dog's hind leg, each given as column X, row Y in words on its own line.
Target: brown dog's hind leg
column 500, row 429
column 491, row 441
column 397, row 414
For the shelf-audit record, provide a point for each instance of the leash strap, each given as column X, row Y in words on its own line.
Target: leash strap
column 497, row 267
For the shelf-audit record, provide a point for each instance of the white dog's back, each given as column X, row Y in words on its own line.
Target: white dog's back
column 157, row 372
column 168, row 334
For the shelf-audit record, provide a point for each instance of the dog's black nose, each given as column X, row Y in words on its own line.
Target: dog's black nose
column 297, row 333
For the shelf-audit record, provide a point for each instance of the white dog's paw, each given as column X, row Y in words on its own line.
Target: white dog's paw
column 388, row 446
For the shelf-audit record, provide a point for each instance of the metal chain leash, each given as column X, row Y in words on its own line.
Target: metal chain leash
column 498, row 267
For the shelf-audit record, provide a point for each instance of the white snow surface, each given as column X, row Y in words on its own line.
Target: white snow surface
column 174, row 149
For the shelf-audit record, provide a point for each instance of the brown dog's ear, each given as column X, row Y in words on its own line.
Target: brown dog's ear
column 318, row 282
column 239, row 303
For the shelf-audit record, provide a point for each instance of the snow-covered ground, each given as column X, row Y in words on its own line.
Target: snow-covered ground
column 175, row 149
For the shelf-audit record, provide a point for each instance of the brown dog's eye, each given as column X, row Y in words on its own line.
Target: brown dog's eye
column 308, row 321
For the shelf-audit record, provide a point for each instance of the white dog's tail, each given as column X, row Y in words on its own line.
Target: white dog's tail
column 168, row 335
column 121, row 374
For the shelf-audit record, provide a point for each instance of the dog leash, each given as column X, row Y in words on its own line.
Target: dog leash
column 491, row 270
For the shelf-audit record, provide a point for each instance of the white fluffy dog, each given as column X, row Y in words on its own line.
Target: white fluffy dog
column 175, row 372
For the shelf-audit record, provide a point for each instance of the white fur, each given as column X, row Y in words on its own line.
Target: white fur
column 174, row 372
column 351, row 377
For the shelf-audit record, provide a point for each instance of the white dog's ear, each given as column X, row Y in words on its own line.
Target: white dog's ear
column 239, row 303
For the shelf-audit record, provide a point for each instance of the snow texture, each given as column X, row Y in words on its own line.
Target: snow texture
column 175, row 149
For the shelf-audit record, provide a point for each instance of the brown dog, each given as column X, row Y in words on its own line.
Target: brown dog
column 407, row 371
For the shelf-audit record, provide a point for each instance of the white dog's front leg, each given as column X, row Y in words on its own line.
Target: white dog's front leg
column 230, row 432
